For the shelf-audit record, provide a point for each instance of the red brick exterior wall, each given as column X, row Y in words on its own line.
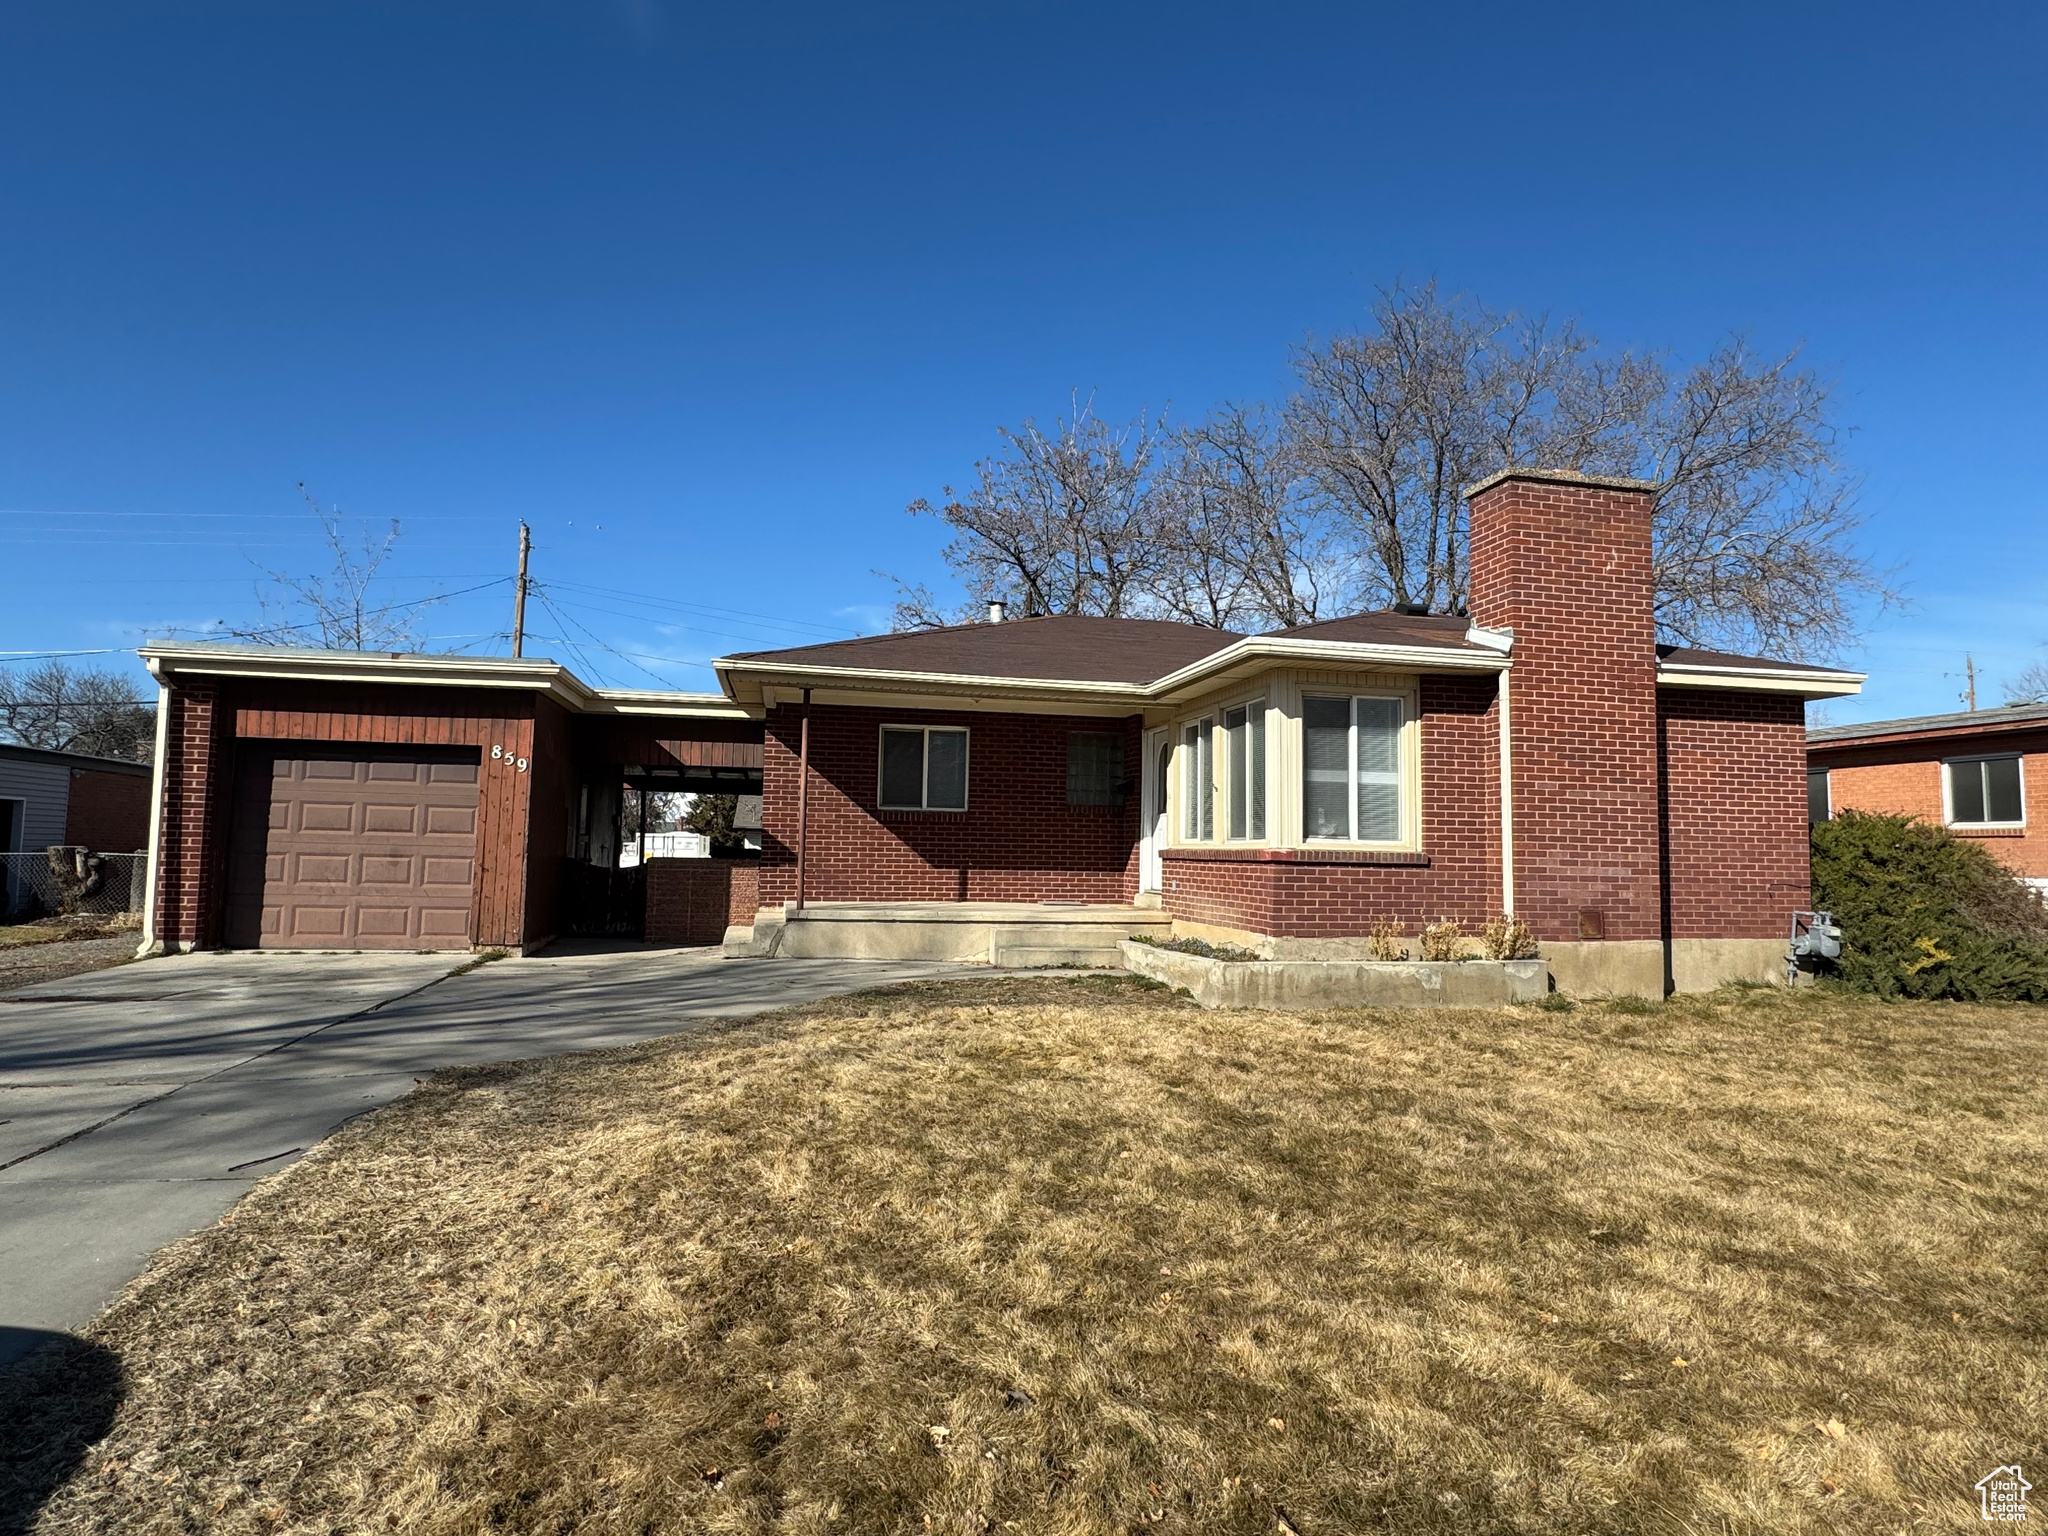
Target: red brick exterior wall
column 192, row 853
column 1019, row 840
column 1734, row 812
column 1903, row 778
column 1316, row 894
column 1567, row 567
column 108, row 811
column 693, row 901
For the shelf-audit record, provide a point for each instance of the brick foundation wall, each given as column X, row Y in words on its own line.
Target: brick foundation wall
column 1018, row 841
column 1336, row 894
column 1904, row 779
column 1567, row 567
column 1734, row 812
column 693, row 901
column 108, row 811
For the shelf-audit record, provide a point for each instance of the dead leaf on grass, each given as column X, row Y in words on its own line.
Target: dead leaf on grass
column 1834, row 1429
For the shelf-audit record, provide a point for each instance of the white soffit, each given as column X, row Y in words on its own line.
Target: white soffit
column 1810, row 685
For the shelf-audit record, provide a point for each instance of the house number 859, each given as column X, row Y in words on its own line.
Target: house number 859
column 504, row 755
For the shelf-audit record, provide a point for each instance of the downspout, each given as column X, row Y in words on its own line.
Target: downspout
column 1507, row 803
column 803, row 798
column 156, row 815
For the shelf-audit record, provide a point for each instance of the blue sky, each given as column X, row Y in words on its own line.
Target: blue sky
column 707, row 296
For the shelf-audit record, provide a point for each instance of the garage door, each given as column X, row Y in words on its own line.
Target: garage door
column 352, row 848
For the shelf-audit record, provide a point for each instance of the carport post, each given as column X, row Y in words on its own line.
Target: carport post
column 803, row 797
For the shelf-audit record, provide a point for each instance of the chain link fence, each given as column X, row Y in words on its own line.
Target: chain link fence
column 70, row 882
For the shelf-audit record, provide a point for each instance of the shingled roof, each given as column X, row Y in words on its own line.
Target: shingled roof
column 1071, row 652
column 1055, row 647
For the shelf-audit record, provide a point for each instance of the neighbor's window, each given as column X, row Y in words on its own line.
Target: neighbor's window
column 924, row 768
column 1351, row 769
column 1985, row 791
column 1095, row 766
column 1818, row 806
column 1244, row 728
column 1197, row 782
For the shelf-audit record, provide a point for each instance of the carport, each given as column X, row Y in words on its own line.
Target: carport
column 350, row 800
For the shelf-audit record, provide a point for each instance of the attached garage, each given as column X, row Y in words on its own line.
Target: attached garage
column 371, row 800
column 346, row 847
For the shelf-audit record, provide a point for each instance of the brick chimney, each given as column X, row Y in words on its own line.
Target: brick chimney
column 1564, row 561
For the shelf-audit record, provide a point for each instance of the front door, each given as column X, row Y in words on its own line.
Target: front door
column 1158, row 759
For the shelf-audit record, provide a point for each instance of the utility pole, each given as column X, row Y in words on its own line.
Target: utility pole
column 1970, row 686
column 519, row 594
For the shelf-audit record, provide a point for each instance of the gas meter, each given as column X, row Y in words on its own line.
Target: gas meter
column 1815, row 939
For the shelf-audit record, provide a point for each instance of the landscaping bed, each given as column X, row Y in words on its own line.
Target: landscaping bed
column 1073, row 1255
column 1241, row 979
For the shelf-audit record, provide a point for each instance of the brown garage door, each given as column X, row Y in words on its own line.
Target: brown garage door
column 352, row 848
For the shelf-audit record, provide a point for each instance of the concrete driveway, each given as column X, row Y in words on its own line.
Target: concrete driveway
column 137, row 1104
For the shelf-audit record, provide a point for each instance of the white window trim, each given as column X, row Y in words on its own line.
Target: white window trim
column 1948, row 808
column 1408, row 770
column 924, row 784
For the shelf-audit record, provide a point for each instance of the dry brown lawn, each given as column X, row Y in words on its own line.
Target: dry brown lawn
column 1074, row 1256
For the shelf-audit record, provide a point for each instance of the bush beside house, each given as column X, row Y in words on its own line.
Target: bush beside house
column 1926, row 914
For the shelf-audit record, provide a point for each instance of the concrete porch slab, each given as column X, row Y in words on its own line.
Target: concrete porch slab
column 990, row 932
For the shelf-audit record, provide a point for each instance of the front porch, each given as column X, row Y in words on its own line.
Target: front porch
column 1005, row 933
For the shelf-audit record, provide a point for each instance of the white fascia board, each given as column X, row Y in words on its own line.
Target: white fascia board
column 1346, row 653
column 786, row 676
column 371, row 667
column 659, row 701
column 1393, row 658
column 1810, row 685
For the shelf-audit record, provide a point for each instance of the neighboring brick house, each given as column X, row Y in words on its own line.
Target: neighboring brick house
column 1641, row 806
column 48, row 798
column 51, row 798
column 1982, row 774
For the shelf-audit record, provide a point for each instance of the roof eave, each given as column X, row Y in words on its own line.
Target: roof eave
column 1808, row 685
column 739, row 679
column 1349, row 653
column 408, row 669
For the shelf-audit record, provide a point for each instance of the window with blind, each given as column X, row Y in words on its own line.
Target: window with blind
column 924, row 768
column 1985, row 792
column 1198, row 781
column 1095, row 766
column 1351, row 769
column 1244, row 732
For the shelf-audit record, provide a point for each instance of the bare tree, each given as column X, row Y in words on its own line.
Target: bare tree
column 336, row 612
column 1059, row 522
column 1351, row 495
column 1241, row 544
column 2029, row 685
column 87, row 710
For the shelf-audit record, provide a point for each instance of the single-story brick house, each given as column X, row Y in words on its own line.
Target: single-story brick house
column 1640, row 806
column 1978, row 773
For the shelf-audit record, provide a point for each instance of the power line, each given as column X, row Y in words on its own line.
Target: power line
column 736, row 613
